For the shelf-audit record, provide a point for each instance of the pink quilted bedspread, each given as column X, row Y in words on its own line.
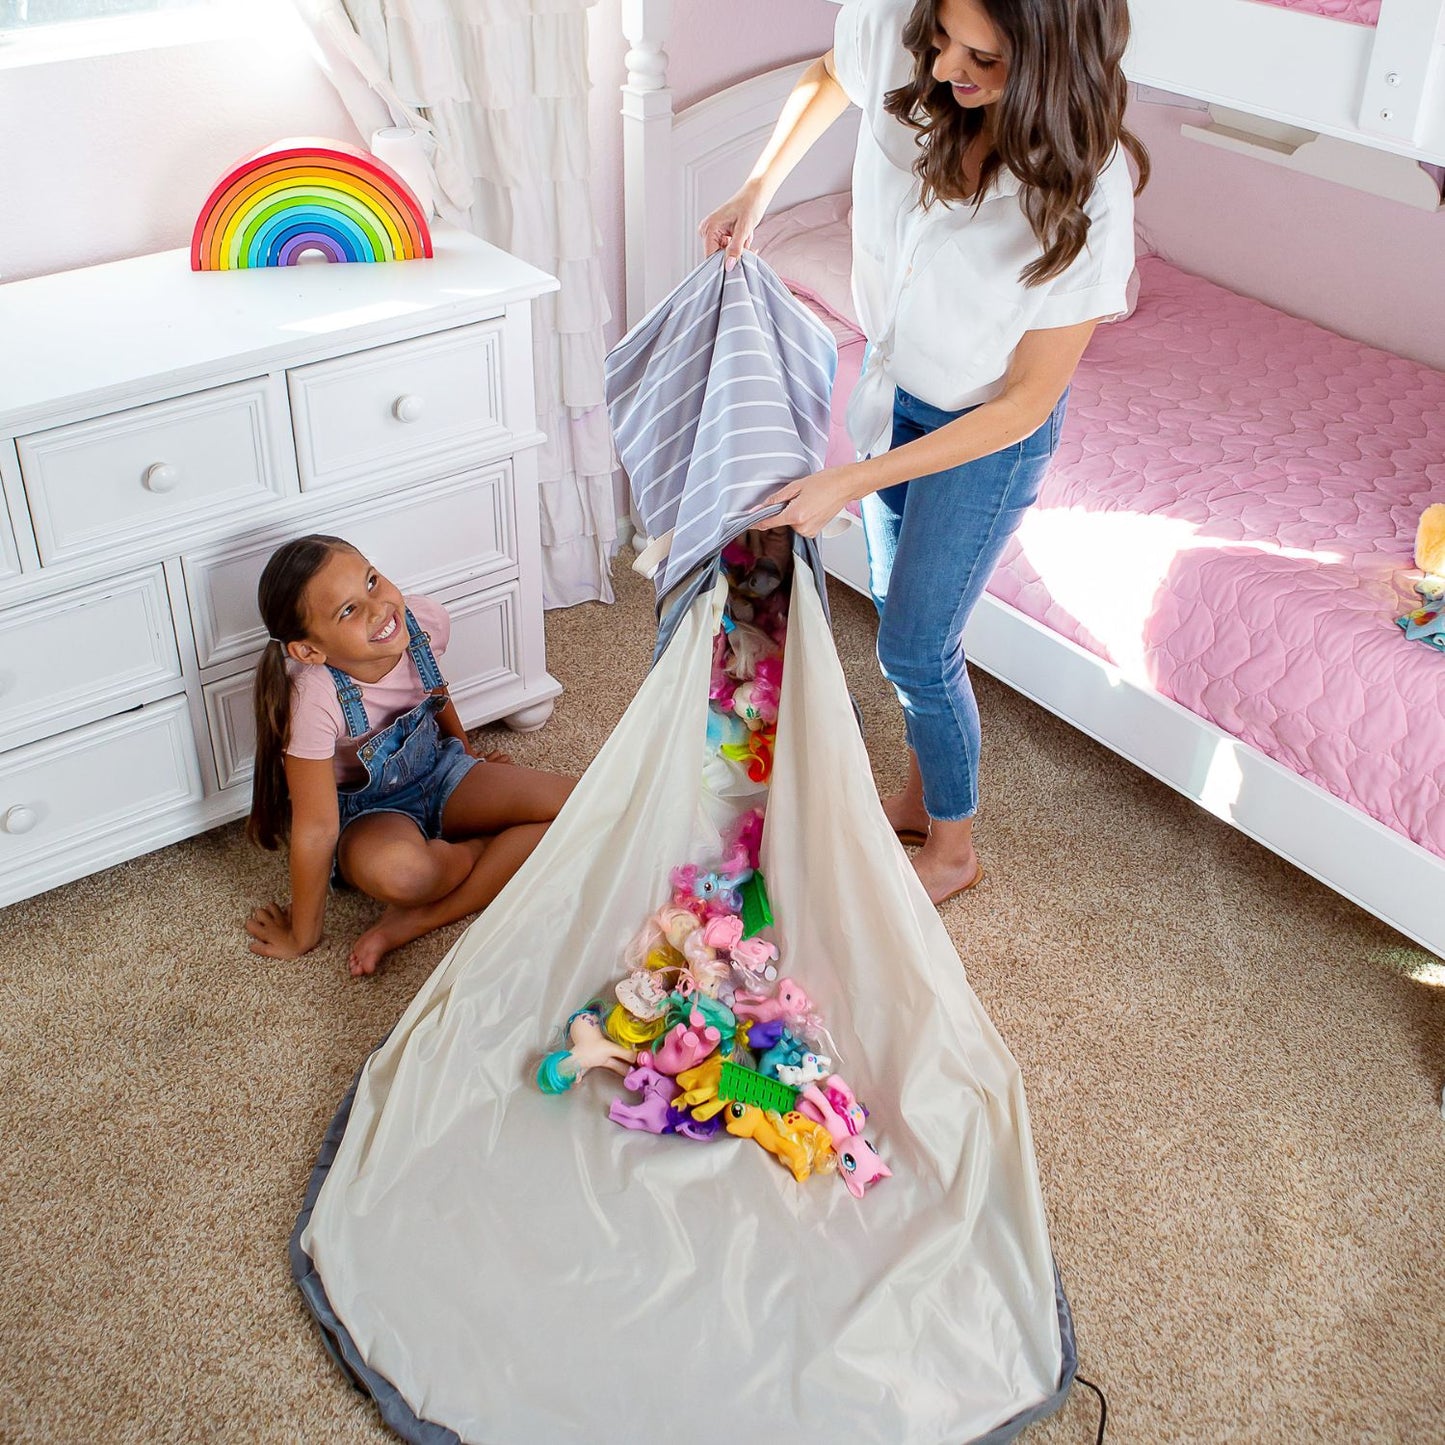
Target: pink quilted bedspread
column 1230, row 519
column 1360, row 12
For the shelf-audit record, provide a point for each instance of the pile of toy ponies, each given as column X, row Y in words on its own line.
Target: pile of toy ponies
column 703, row 1026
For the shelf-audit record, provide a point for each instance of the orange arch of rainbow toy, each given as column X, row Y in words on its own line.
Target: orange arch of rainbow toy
column 298, row 197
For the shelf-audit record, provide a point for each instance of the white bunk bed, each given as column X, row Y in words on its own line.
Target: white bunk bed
column 678, row 166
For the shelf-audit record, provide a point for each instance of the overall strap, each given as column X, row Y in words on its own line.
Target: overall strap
column 352, row 707
column 421, row 654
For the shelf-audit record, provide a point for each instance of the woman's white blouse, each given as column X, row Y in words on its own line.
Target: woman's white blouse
column 938, row 290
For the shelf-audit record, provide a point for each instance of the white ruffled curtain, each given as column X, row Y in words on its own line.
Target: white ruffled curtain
column 499, row 89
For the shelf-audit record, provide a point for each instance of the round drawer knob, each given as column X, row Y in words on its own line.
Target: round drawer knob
column 406, row 408
column 162, row 477
column 19, row 819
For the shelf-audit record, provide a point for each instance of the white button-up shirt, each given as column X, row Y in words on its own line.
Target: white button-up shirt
column 937, row 291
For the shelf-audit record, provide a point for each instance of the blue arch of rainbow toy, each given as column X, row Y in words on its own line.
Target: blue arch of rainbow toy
column 268, row 247
column 267, row 243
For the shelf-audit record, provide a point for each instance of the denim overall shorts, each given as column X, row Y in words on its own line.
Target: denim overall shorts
column 410, row 768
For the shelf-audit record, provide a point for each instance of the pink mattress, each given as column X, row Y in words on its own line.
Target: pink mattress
column 1230, row 520
column 1359, row 12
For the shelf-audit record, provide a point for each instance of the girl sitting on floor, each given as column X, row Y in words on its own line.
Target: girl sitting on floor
column 362, row 761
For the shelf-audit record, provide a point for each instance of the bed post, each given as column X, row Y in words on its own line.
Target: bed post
column 1398, row 79
column 648, row 204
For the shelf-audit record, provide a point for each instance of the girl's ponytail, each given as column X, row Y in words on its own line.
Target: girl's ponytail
column 280, row 596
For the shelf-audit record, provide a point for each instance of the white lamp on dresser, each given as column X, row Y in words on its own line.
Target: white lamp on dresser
column 162, row 431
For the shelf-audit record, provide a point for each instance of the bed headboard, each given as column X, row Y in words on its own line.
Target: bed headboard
column 678, row 167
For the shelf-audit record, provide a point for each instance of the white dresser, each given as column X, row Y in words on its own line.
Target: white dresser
column 161, row 432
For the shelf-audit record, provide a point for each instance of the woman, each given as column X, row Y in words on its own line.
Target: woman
column 993, row 230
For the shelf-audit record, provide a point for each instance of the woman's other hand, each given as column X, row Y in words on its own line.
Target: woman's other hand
column 812, row 502
column 731, row 226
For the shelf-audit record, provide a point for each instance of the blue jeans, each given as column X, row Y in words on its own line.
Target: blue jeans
column 932, row 546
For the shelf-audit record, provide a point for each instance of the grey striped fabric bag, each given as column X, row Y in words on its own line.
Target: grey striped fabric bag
column 718, row 396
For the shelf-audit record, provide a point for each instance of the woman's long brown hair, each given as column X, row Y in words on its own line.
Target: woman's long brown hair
column 280, row 595
column 1055, row 126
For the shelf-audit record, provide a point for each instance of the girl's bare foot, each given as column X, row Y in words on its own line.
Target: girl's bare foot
column 373, row 945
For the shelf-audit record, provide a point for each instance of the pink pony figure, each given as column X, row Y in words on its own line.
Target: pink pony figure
column 845, row 1103
column 747, row 844
column 790, row 1002
column 755, row 960
column 722, row 686
column 650, row 1114
column 858, row 1161
column 686, row 1045
column 756, row 702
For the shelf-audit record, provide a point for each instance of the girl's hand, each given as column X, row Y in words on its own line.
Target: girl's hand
column 813, row 502
column 731, row 226
column 271, row 934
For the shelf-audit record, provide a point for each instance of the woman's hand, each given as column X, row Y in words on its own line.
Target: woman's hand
column 731, row 226
column 272, row 935
column 813, row 502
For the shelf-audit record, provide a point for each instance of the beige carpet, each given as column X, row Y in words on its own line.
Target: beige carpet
column 1234, row 1078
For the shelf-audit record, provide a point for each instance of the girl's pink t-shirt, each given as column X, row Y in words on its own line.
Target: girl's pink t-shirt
column 318, row 727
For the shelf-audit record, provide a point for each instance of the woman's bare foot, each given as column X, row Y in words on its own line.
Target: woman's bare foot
column 947, row 863
column 906, row 815
column 944, row 876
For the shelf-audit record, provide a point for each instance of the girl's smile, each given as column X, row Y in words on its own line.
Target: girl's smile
column 354, row 619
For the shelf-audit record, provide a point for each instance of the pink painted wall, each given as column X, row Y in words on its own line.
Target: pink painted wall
column 1361, row 265
column 717, row 45
column 711, row 46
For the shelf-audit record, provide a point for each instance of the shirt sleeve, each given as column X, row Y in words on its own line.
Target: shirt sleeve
column 434, row 620
column 316, row 721
column 868, row 55
column 1096, row 285
column 851, row 50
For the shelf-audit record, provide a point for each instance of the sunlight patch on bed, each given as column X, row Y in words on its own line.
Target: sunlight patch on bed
column 1106, row 570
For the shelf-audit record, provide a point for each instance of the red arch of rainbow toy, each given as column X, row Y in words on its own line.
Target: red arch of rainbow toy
column 347, row 203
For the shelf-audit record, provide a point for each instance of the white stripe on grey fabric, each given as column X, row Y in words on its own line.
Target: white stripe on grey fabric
column 717, row 397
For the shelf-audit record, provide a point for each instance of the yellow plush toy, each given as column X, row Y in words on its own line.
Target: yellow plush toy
column 1427, row 623
column 1430, row 551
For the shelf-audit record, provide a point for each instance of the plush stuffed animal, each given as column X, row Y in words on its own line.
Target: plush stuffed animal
column 1427, row 623
column 1430, row 552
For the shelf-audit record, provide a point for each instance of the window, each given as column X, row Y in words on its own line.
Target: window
column 23, row 14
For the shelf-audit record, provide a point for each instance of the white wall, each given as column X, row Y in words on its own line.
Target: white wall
column 114, row 155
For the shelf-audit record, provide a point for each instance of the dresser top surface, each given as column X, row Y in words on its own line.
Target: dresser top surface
column 92, row 334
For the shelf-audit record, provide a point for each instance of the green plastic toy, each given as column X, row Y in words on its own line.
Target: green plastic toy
column 750, row 1087
column 757, row 911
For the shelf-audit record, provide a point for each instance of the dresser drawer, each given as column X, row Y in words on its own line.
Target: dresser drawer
column 459, row 531
column 231, row 718
column 92, row 783
column 143, row 475
column 83, row 654
column 413, row 409
column 483, row 665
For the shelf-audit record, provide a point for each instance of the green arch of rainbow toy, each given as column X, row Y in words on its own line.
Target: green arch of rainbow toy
column 272, row 208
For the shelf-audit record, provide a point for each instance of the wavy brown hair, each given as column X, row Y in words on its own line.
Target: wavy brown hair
column 1055, row 126
column 281, row 596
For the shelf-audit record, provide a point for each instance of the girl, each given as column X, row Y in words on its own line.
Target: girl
column 992, row 231
column 361, row 760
